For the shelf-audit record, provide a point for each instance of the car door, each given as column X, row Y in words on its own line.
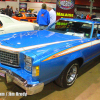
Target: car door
column 96, row 40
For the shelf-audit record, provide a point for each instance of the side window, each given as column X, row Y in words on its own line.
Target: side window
column 1, row 24
column 28, row 15
column 96, row 31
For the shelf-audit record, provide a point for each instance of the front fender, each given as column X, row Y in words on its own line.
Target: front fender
column 52, row 68
column 71, row 57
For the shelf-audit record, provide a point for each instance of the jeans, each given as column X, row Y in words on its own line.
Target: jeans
column 42, row 27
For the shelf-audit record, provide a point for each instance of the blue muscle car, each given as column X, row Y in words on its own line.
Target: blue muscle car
column 34, row 58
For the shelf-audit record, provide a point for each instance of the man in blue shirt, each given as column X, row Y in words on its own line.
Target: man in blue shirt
column 82, row 16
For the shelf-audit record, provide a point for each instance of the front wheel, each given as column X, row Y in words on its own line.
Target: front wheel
column 69, row 75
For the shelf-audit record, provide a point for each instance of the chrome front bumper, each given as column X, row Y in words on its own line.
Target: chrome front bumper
column 13, row 77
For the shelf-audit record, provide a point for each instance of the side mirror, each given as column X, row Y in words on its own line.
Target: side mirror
column 98, row 35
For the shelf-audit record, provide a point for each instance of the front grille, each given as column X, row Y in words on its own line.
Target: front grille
column 9, row 58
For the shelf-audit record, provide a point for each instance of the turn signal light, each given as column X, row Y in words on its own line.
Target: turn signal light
column 35, row 71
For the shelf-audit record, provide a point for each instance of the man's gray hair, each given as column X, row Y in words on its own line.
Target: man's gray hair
column 50, row 6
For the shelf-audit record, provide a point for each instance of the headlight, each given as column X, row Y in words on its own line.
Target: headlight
column 28, row 59
column 28, row 63
column 28, row 66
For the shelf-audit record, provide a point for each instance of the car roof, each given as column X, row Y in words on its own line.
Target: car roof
column 96, row 18
column 81, row 20
column 26, row 13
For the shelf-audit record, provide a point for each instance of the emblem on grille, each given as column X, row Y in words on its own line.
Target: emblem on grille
column 11, row 61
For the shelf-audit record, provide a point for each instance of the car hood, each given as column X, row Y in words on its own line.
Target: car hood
column 37, row 39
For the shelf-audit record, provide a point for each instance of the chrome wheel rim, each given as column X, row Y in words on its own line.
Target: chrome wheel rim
column 71, row 74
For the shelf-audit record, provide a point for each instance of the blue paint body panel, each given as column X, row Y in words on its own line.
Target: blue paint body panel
column 49, row 69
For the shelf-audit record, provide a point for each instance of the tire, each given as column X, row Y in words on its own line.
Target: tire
column 69, row 75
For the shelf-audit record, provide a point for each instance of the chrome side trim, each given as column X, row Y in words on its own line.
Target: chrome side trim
column 13, row 77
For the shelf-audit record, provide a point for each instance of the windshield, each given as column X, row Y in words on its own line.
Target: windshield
column 73, row 28
column 19, row 15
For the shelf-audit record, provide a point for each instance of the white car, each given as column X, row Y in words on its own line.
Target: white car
column 10, row 25
column 96, row 19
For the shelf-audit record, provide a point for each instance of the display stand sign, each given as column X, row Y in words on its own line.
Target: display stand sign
column 23, row 6
column 65, row 9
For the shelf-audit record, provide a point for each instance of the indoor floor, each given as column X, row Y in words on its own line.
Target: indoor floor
column 86, row 87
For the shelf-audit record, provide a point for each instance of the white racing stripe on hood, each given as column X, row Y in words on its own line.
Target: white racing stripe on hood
column 32, row 47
